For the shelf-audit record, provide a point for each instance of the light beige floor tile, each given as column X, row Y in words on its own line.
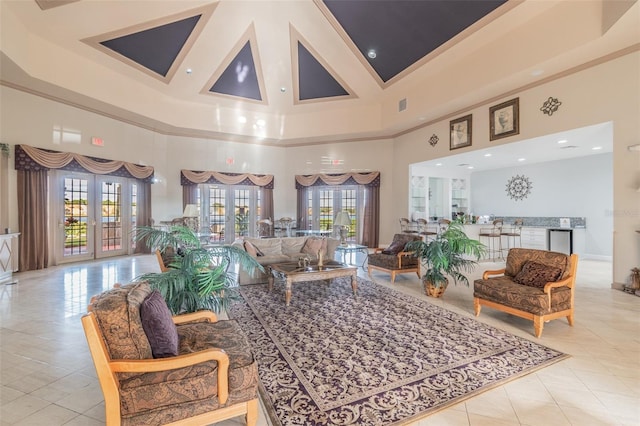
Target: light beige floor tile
column 84, row 421
column 20, row 408
column 533, row 413
column 51, row 414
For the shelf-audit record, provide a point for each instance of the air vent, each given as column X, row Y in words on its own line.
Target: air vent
column 568, row 147
column 402, row 105
column 462, row 165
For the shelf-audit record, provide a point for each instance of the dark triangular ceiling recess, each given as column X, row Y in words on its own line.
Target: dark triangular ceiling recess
column 157, row 47
column 239, row 76
column 314, row 80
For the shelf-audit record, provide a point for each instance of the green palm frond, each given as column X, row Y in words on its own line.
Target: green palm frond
column 450, row 253
column 198, row 278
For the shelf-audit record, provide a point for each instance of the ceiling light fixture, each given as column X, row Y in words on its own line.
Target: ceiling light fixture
column 635, row 147
column 260, row 122
column 596, row 148
column 562, row 141
column 242, row 119
column 283, row 89
column 521, row 159
column 487, row 155
column 189, row 71
column 372, row 53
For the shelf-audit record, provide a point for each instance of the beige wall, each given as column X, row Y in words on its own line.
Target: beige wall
column 606, row 92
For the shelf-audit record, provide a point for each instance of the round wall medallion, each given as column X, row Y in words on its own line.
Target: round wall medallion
column 518, row 187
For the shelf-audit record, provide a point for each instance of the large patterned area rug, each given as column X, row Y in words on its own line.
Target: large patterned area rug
column 381, row 358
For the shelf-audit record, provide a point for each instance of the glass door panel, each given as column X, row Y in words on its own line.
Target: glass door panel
column 110, row 229
column 241, row 204
column 217, row 214
column 77, row 222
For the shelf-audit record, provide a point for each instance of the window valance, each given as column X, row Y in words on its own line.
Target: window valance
column 371, row 179
column 34, row 159
column 191, row 177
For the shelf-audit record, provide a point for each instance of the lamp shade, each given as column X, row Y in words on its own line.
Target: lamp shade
column 190, row 210
column 342, row 219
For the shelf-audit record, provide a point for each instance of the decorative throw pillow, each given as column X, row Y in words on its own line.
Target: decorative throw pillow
column 252, row 250
column 312, row 246
column 536, row 274
column 395, row 247
column 158, row 325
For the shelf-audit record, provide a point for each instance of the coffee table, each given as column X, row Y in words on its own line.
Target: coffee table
column 292, row 272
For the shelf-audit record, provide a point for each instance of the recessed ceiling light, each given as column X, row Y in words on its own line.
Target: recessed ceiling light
column 283, row 89
column 372, row 53
column 562, row 141
column 438, row 164
column 487, row 154
column 242, row 119
column 521, row 159
column 596, row 148
column 470, row 167
column 189, row 70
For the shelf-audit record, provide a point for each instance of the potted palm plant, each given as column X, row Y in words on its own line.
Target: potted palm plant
column 449, row 254
column 197, row 278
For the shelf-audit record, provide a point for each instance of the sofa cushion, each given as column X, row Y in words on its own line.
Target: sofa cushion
column 312, row 246
column 517, row 257
column 252, row 250
column 268, row 246
column 117, row 312
column 292, row 246
column 158, row 325
column 536, row 274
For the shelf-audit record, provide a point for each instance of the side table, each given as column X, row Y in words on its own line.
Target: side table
column 352, row 250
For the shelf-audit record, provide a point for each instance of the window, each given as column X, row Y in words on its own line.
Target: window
column 324, row 203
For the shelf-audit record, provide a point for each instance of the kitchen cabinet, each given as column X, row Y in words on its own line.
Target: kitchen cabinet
column 535, row 238
column 8, row 256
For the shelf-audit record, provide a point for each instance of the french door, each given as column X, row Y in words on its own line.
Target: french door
column 92, row 216
column 228, row 211
column 324, row 203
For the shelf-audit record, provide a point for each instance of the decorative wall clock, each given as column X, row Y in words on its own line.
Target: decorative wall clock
column 518, row 187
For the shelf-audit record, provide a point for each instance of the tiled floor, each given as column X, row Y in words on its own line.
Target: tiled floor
column 47, row 376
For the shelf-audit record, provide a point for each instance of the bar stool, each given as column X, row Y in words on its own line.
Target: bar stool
column 425, row 230
column 513, row 233
column 405, row 226
column 493, row 236
column 443, row 224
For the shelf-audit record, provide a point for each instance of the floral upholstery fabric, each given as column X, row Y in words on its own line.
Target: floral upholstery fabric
column 390, row 261
column 536, row 274
column 166, row 396
column 505, row 291
column 518, row 256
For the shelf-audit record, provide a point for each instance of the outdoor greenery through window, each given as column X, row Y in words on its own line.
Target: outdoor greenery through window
column 324, row 203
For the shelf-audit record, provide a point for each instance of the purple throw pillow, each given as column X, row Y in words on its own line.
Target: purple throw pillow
column 158, row 325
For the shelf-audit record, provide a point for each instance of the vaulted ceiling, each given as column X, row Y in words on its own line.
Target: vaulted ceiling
column 298, row 71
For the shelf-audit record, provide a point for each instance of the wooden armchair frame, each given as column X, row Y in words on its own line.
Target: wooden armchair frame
column 107, row 368
column 393, row 272
column 538, row 320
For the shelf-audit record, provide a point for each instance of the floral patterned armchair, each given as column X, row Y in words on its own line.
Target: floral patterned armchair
column 394, row 259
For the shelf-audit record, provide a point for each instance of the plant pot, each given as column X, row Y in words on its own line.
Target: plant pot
column 433, row 289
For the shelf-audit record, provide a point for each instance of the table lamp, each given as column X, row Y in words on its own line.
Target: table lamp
column 344, row 221
column 190, row 216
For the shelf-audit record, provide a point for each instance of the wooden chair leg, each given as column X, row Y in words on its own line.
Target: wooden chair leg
column 393, row 277
column 476, row 306
column 252, row 412
column 570, row 319
column 538, row 325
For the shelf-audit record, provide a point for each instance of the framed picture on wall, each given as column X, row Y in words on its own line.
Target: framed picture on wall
column 504, row 119
column 460, row 132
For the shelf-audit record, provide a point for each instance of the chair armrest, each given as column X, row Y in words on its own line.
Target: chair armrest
column 378, row 250
column 180, row 361
column 489, row 273
column 401, row 255
column 568, row 282
column 199, row 316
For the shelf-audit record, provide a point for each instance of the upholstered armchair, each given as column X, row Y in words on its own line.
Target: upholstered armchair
column 537, row 285
column 156, row 369
column 394, row 259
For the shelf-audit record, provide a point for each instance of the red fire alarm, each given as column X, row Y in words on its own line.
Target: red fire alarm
column 97, row 141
